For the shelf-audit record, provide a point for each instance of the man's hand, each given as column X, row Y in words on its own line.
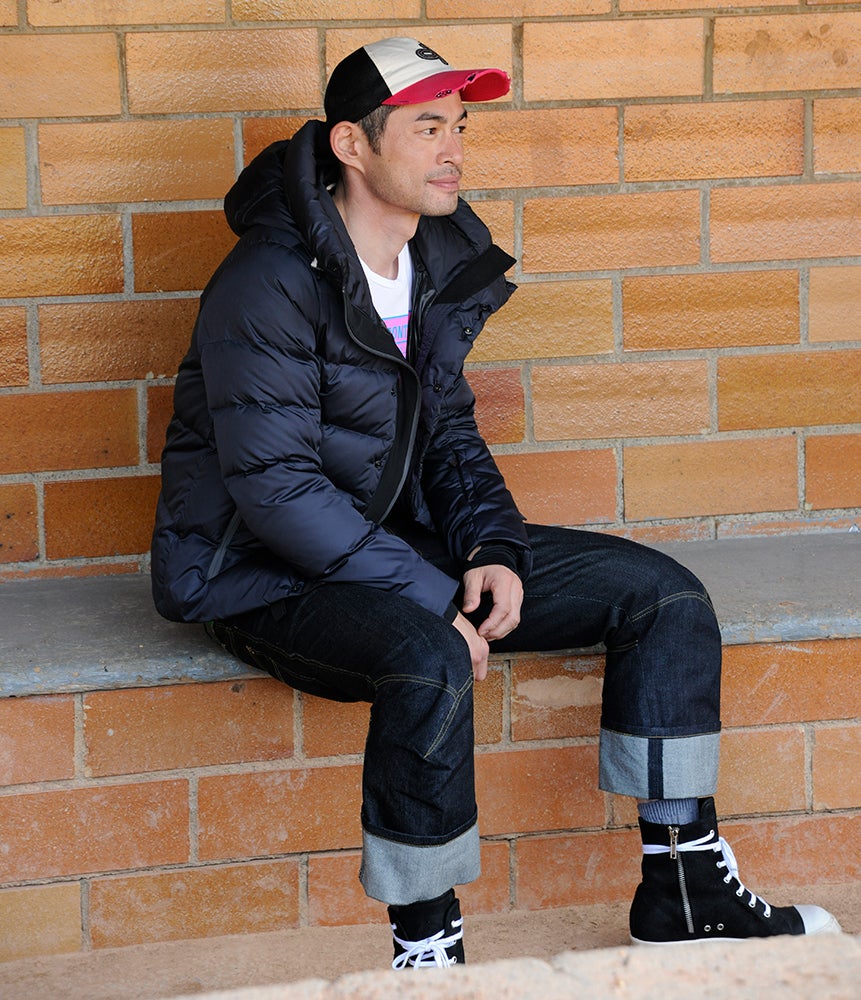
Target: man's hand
column 478, row 649
column 507, row 591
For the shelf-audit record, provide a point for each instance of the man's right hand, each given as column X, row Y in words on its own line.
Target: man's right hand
column 478, row 648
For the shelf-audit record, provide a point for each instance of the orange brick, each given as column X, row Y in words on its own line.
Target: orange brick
column 690, row 311
column 188, row 725
column 784, row 223
column 500, row 410
column 297, row 10
column 453, row 9
column 61, row 255
column 563, row 487
column 526, row 791
column 258, row 133
column 99, row 517
column 806, row 525
column 190, row 903
column 331, row 727
column 832, row 466
column 237, row 70
column 108, row 828
column 786, row 52
column 45, row 13
column 40, row 920
column 632, row 6
column 620, row 400
column 778, row 683
column 178, row 251
column 577, row 870
column 796, row 851
column 135, row 161
column 761, row 771
column 13, row 169
column 19, row 529
column 837, row 767
column 584, row 60
column 498, row 216
column 40, row 75
column 489, row 696
column 37, row 739
column 837, row 135
column 159, row 411
column 578, row 146
column 335, row 895
column 491, row 893
column 461, row 45
column 600, row 232
column 8, row 13
column 279, row 812
column 554, row 697
column 834, row 301
column 563, row 319
column 733, row 139
column 110, row 341
column 789, row 390
column 698, row 479
column 68, row 430
column 14, row 366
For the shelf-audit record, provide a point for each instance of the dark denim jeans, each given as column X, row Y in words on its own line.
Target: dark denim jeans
column 660, row 712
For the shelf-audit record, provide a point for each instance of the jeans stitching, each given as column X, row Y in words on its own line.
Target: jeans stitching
column 456, row 695
column 670, row 599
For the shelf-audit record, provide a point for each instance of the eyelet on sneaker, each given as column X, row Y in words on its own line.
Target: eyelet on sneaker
column 720, row 927
column 707, row 928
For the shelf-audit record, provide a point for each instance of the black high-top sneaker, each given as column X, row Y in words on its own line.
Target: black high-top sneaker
column 691, row 891
column 428, row 933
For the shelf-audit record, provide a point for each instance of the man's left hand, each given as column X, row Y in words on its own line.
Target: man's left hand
column 507, row 591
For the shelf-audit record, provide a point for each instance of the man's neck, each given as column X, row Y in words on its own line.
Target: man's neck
column 377, row 237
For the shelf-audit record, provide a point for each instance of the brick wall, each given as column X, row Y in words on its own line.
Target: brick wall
column 682, row 188
column 196, row 810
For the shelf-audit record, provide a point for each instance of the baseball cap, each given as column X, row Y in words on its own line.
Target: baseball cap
column 402, row 71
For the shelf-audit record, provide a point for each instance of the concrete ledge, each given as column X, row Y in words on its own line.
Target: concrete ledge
column 827, row 967
column 96, row 633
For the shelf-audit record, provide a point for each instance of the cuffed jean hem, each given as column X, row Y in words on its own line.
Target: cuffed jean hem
column 398, row 874
column 655, row 768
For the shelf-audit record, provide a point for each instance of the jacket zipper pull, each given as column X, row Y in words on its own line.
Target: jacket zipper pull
column 674, row 840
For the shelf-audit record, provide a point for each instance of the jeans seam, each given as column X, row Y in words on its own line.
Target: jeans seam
column 456, row 695
column 669, row 599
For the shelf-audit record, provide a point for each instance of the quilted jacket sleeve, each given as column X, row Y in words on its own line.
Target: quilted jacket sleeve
column 465, row 492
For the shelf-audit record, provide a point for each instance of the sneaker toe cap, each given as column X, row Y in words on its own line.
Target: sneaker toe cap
column 818, row 921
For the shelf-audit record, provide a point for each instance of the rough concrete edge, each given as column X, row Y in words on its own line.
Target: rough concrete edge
column 828, row 967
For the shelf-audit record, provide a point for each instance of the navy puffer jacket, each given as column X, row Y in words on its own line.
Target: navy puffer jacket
column 297, row 423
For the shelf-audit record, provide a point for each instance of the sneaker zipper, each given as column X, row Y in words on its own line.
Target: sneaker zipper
column 683, row 885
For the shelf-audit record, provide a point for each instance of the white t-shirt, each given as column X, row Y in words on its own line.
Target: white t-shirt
column 391, row 297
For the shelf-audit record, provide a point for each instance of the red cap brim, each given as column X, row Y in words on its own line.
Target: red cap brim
column 473, row 85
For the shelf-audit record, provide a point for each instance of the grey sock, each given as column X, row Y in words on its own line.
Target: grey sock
column 670, row 812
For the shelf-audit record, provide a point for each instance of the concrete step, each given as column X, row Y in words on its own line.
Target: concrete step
column 577, row 951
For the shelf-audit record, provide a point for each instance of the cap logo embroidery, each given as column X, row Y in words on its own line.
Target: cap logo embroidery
column 423, row 52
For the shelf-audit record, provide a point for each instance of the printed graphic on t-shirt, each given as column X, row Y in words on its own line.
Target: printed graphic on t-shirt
column 398, row 326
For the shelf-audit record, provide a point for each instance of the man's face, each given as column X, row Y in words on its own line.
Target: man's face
column 418, row 168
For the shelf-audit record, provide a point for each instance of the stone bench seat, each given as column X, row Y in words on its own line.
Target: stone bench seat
column 98, row 633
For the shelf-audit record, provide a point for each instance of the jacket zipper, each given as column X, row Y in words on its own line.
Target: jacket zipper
column 676, row 856
column 380, row 515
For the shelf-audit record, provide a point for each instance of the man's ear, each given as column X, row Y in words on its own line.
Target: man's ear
column 347, row 140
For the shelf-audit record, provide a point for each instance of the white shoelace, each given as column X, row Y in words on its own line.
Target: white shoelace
column 429, row 952
column 708, row 843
